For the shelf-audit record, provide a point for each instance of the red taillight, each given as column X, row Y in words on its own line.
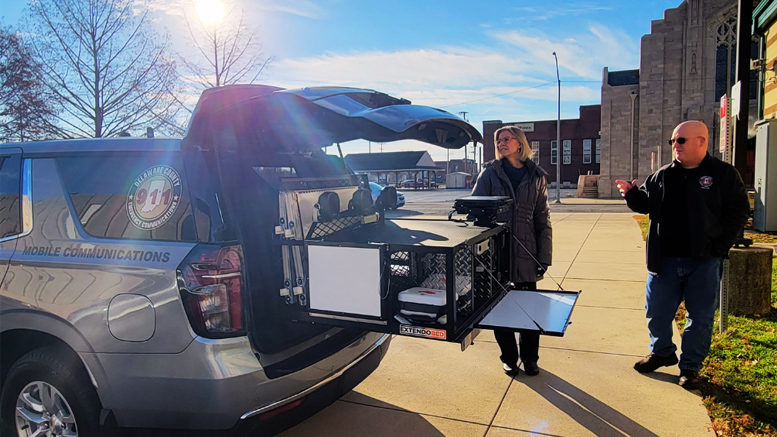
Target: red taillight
column 211, row 284
column 280, row 410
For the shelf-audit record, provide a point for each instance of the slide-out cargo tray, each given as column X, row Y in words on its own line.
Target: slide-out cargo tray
column 532, row 310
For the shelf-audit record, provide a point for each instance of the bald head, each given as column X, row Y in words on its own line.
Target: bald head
column 689, row 143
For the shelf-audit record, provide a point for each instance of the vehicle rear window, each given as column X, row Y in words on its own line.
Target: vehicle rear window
column 10, row 186
column 130, row 197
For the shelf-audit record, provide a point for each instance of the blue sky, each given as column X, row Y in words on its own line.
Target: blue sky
column 492, row 59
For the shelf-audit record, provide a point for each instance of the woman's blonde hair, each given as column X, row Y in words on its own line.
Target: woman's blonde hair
column 525, row 151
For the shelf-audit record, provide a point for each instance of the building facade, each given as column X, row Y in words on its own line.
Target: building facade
column 765, row 169
column 580, row 144
column 468, row 166
column 765, row 28
column 395, row 168
column 687, row 62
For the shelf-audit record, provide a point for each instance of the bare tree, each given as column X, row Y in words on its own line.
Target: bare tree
column 228, row 52
column 107, row 69
column 25, row 108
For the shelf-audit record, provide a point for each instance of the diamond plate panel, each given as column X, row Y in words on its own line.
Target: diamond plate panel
column 322, row 229
column 484, row 283
column 401, row 273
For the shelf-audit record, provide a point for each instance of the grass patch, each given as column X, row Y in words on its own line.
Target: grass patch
column 768, row 237
column 761, row 238
column 643, row 221
column 731, row 421
column 679, row 317
column 774, row 283
column 740, row 373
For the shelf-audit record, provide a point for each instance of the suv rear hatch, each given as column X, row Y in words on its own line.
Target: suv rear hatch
column 242, row 139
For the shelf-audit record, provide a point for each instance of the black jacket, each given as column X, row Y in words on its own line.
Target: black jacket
column 717, row 209
column 530, row 216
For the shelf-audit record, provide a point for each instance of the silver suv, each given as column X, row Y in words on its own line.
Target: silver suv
column 141, row 276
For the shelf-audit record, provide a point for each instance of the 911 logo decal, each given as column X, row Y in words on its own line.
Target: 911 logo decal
column 418, row 331
column 153, row 197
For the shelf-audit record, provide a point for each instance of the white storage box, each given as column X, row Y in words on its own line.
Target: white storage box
column 422, row 305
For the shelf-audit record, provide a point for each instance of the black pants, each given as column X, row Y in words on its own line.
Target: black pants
column 529, row 340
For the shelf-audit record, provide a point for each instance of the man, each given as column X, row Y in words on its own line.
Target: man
column 698, row 206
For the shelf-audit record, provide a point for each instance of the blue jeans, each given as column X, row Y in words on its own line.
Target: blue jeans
column 697, row 282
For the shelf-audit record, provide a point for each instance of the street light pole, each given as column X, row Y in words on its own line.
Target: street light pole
column 558, row 136
column 464, row 117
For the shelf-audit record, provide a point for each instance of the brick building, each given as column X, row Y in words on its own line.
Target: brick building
column 579, row 144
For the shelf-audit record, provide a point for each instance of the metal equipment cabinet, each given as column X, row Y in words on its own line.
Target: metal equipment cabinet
column 356, row 276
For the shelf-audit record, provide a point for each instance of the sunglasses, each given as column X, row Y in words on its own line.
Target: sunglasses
column 679, row 140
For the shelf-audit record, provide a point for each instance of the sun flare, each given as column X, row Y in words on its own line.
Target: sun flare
column 210, row 11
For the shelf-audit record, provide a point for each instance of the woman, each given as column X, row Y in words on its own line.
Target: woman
column 514, row 174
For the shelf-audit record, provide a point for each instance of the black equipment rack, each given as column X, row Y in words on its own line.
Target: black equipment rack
column 434, row 253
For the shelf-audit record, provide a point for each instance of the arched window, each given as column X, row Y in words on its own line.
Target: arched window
column 726, row 59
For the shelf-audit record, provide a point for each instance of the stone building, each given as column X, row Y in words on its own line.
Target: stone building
column 579, row 144
column 687, row 63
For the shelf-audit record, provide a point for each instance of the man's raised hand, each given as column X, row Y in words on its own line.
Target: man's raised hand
column 625, row 186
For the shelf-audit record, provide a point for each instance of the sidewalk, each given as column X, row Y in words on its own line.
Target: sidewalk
column 587, row 386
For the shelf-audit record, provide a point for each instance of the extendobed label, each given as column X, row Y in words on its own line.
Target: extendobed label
column 418, row 331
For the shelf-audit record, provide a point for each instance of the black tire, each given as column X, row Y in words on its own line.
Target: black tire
column 60, row 368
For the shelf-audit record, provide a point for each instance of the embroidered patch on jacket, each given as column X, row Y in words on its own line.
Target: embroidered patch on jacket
column 705, row 182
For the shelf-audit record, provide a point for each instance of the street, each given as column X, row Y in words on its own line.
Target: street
column 440, row 202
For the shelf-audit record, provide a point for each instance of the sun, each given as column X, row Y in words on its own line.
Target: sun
column 210, row 11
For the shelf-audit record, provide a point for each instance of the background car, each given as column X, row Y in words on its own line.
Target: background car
column 375, row 190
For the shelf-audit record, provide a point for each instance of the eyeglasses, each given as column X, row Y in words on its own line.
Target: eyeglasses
column 679, row 140
column 505, row 140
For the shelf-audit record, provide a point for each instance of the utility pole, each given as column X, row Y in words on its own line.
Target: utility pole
column 744, row 23
column 633, row 96
column 475, row 159
column 464, row 116
column 558, row 136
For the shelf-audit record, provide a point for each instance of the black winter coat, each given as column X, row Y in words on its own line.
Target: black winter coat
column 717, row 209
column 530, row 216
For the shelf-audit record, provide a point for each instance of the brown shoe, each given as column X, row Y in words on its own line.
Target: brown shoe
column 689, row 379
column 653, row 362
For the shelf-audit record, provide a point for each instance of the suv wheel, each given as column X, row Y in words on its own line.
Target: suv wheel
column 48, row 393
